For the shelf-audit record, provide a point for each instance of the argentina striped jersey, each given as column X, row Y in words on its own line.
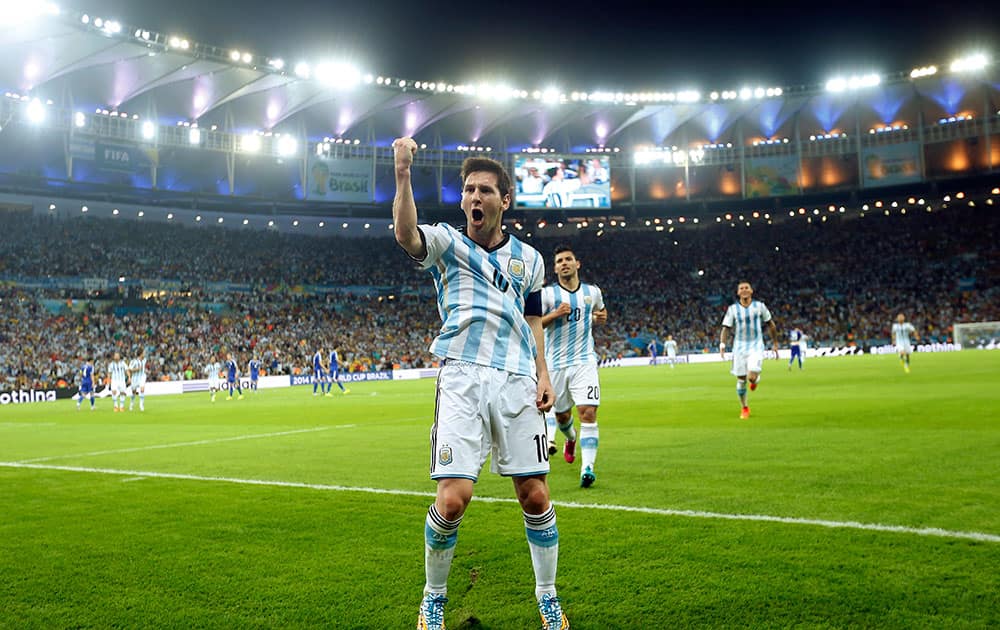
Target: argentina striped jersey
column 569, row 340
column 138, row 368
column 117, row 370
column 901, row 333
column 481, row 298
column 747, row 325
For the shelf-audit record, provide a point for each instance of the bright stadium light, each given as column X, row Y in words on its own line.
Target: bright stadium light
column 79, row 119
column 194, row 136
column 148, row 130
column 247, row 57
column 287, row 146
column 250, row 143
column 277, row 64
column 338, row 75
column 36, row 112
column 970, row 63
column 234, row 55
column 302, row 70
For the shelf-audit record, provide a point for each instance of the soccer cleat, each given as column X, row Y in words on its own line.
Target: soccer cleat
column 552, row 447
column 431, row 616
column 587, row 477
column 241, row 396
column 553, row 617
column 347, row 390
column 569, row 451
column 745, row 413
column 753, row 386
column 906, row 369
column 328, row 395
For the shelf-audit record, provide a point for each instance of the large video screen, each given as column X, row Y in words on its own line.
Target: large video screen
column 562, row 181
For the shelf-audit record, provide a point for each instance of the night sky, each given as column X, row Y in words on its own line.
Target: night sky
column 612, row 45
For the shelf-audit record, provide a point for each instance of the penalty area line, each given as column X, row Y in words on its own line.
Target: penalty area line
column 934, row 532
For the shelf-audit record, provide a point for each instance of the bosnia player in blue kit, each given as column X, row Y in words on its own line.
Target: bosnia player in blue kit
column 796, row 339
column 745, row 318
column 233, row 376
column 86, row 384
column 254, row 367
column 333, row 376
column 319, row 372
column 493, row 384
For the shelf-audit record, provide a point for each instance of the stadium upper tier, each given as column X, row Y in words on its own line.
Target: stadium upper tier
column 96, row 103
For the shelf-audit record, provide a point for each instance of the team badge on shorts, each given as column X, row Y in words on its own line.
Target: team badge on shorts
column 516, row 268
column 445, row 456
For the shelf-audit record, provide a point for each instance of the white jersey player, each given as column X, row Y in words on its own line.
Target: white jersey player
column 670, row 346
column 901, row 332
column 494, row 382
column 137, row 380
column 212, row 370
column 745, row 319
column 117, row 370
column 571, row 308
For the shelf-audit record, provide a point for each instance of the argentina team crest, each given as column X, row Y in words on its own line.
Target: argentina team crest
column 445, row 456
column 588, row 300
column 516, row 268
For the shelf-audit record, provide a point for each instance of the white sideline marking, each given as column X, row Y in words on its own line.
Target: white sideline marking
column 876, row 527
column 178, row 444
column 134, row 479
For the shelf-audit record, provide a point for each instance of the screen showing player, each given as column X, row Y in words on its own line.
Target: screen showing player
column 562, row 181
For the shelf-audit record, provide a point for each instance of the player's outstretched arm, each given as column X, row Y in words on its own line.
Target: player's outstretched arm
column 773, row 330
column 404, row 208
column 723, row 335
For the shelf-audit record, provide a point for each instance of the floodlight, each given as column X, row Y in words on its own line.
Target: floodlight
column 302, row 70
column 148, row 130
column 36, row 112
column 194, row 136
column 247, row 57
column 234, row 55
column 250, row 143
column 79, row 119
column 971, row 63
column 340, row 75
column 287, row 146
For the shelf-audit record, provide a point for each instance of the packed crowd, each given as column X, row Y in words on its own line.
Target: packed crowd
column 841, row 281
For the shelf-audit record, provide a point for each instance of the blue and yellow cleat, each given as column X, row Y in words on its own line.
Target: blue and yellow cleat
column 431, row 616
column 587, row 478
column 552, row 615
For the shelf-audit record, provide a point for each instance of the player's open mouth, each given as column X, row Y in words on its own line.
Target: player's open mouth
column 477, row 215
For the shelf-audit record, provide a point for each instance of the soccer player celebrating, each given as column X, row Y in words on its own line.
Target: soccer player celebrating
column 117, row 370
column 86, row 384
column 254, row 368
column 901, row 332
column 233, row 376
column 137, row 376
column 493, row 380
column 334, row 374
column 796, row 339
column 571, row 308
column 745, row 318
column 319, row 372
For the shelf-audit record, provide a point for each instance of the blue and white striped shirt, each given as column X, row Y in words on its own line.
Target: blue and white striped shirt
column 481, row 298
column 117, row 370
column 747, row 322
column 569, row 340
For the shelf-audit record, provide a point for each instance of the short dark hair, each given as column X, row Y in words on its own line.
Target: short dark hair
column 563, row 248
column 488, row 165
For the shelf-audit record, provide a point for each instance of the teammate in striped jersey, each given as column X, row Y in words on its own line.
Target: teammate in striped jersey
column 670, row 347
column 137, row 379
column 494, row 380
column 745, row 318
column 117, row 369
column 212, row 369
column 571, row 309
column 901, row 332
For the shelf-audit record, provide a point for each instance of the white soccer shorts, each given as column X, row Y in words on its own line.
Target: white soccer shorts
column 480, row 412
column 138, row 383
column 576, row 385
column 117, row 386
column 745, row 362
column 904, row 348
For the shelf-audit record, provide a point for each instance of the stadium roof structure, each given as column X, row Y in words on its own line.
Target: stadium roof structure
column 73, row 79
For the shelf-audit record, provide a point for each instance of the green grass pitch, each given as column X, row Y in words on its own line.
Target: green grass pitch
column 92, row 538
